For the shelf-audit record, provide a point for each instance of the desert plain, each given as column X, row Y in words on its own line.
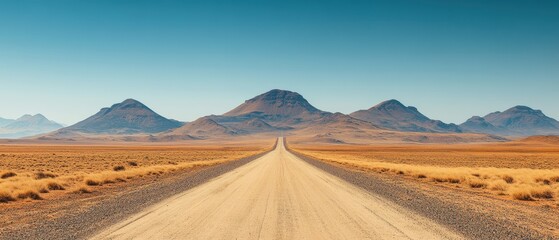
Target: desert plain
column 38, row 180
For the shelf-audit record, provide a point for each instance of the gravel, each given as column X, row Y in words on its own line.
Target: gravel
column 471, row 224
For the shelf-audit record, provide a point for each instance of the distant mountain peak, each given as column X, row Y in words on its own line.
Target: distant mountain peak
column 28, row 125
column 131, row 103
column 392, row 103
column 128, row 117
column 29, row 116
column 275, row 102
column 392, row 114
column 518, row 120
column 522, row 108
column 476, row 119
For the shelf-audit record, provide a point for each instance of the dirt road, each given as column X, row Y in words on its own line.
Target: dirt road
column 277, row 196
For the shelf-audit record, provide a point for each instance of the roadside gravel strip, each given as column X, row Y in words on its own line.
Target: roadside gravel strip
column 473, row 225
column 83, row 224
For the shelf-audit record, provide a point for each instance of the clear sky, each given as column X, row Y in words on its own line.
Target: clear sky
column 186, row 59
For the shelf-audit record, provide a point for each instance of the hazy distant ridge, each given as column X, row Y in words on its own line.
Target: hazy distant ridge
column 27, row 125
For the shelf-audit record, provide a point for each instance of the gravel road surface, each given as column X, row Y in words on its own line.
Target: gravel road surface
column 277, row 196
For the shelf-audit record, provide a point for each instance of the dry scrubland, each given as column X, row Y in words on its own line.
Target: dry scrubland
column 528, row 172
column 34, row 172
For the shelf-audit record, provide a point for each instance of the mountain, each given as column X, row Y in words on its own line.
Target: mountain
column 256, row 125
column 127, row 117
column 28, row 125
column 203, row 127
column 394, row 115
column 519, row 121
column 478, row 124
column 342, row 121
column 275, row 106
column 4, row 121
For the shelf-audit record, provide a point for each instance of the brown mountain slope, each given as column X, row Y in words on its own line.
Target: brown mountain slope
column 201, row 128
column 394, row 115
column 523, row 121
column 128, row 117
column 276, row 105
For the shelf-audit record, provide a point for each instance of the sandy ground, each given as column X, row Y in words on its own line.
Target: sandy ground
column 278, row 196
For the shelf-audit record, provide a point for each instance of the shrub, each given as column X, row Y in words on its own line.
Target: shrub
column 508, row 179
column 29, row 194
column 119, row 168
column 543, row 181
column 499, row 185
column 131, row 163
column 54, row 186
column 476, row 183
column 521, row 194
column 82, row 190
column 91, row 182
column 454, row 180
column 6, row 197
column 541, row 192
column 8, row 175
column 41, row 175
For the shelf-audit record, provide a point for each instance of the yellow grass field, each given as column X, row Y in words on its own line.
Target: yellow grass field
column 519, row 171
column 35, row 171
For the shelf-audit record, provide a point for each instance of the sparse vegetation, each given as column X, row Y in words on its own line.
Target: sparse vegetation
column 29, row 194
column 42, row 175
column 33, row 172
column 119, row 168
column 8, row 175
column 6, row 197
column 82, row 190
column 479, row 168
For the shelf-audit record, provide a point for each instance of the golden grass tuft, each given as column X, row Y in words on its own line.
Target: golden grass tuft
column 54, row 186
column 29, row 194
column 541, row 192
column 92, row 182
column 508, row 179
column 521, row 194
column 6, row 197
column 477, row 183
column 82, row 190
column 499, row 185
column 43, row 175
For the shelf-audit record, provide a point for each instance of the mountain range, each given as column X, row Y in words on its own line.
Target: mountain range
column 394, row 115
column 516, row 121
column 290, row 113
column 27, row 125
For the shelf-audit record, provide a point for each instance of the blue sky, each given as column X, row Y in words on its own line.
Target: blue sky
column 187, row 59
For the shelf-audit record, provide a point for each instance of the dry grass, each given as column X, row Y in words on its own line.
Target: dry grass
column 31, row 172
column 521, row 172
